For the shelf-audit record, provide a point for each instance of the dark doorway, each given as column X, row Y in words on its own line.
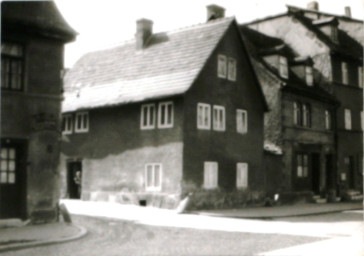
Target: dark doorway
column 315, row 170
column 74, row 179
column 330, row 178
column 13, row 179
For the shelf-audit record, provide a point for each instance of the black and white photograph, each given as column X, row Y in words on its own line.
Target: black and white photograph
column 205, row 127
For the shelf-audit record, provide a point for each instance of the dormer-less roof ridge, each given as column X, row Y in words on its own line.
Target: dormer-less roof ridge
column 167, row 66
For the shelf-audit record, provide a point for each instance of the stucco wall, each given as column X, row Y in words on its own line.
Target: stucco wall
column 115, row 150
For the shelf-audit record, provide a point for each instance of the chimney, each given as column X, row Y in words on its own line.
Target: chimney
column 347, row 11
column 143, row 32
column 314, row 6
column 215, row 12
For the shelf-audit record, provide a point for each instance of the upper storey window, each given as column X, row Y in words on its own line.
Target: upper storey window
column 226, row 67
column 221, row 66
column 309, row 76
column 283, row 67
column 11, row 66
column 360, row 77
column 344, row 73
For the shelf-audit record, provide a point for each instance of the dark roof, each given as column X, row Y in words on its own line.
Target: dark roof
column 325, row 14
column 167, row 66
column 40, row 16
column 346, row 45
column 269, row 74
column 350, row 43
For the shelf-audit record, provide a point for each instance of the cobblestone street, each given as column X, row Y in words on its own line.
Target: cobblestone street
column 116, row 237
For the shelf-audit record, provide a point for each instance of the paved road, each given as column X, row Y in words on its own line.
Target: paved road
column 115, row 237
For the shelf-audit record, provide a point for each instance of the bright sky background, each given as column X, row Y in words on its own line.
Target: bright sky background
column 106, row 22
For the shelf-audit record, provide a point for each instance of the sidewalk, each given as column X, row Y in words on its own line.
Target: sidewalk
column 20, row 236
column 283, row 211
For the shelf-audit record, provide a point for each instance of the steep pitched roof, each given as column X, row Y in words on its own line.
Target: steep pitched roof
column 350, row 43
column 269, row 75
column 167, row 66
column 41, row 15
column 346, row 45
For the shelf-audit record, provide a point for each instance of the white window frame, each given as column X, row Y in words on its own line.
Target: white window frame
column 344, row 73
column 328, row 120
column 360, row 77
column 211, row 173
column 241, row 121
column 84, row 128
column 166, row 124
column 68, row 123
column 347, row 119
column 203, row 113
column 283, row 67
column 153, row 187
column 231, row 69
column 150, row 124
column 242, row 175
column 219, row 125
column 309, row 75
column 221, row 66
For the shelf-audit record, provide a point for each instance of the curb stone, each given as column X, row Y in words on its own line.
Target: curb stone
column 82, row 232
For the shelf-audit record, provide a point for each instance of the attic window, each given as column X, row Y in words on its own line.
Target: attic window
column 221, row 66
column 232, row 69
column 283, row 67
column 309, row 76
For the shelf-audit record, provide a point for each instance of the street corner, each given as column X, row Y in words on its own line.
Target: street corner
column 16, row 238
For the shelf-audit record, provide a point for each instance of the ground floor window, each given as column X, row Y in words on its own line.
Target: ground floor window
column 302, row 165
column 242, row 175
column 153, row 177
column 8, row 166
column 210, row 175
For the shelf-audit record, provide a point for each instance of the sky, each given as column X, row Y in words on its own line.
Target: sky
column 102, row 23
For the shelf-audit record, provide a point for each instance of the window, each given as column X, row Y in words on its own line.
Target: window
column 301, row 114
column 67, row 124
column 147, row 119
column 232, row 69
column 344, row 72
column 302, row 165
column 328, row 120
column 296, row 113
column 210, row 175
column 8, row 165
column 242, row 175
column 153, row 177
column 306, row 115
column 219, row 118
column 165, row 115
column 283, row 67
column 203, row 116
column 11, row 66
column 347, row 119
column 221, row 66
column 360, row 77
column 241, row 121
column 81, row 122
column 309, row 76
column 362, row 120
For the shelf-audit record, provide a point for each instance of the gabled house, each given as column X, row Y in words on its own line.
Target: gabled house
column 334, row 43
column 299, row 135
column 163, row 115
column 33, row 34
